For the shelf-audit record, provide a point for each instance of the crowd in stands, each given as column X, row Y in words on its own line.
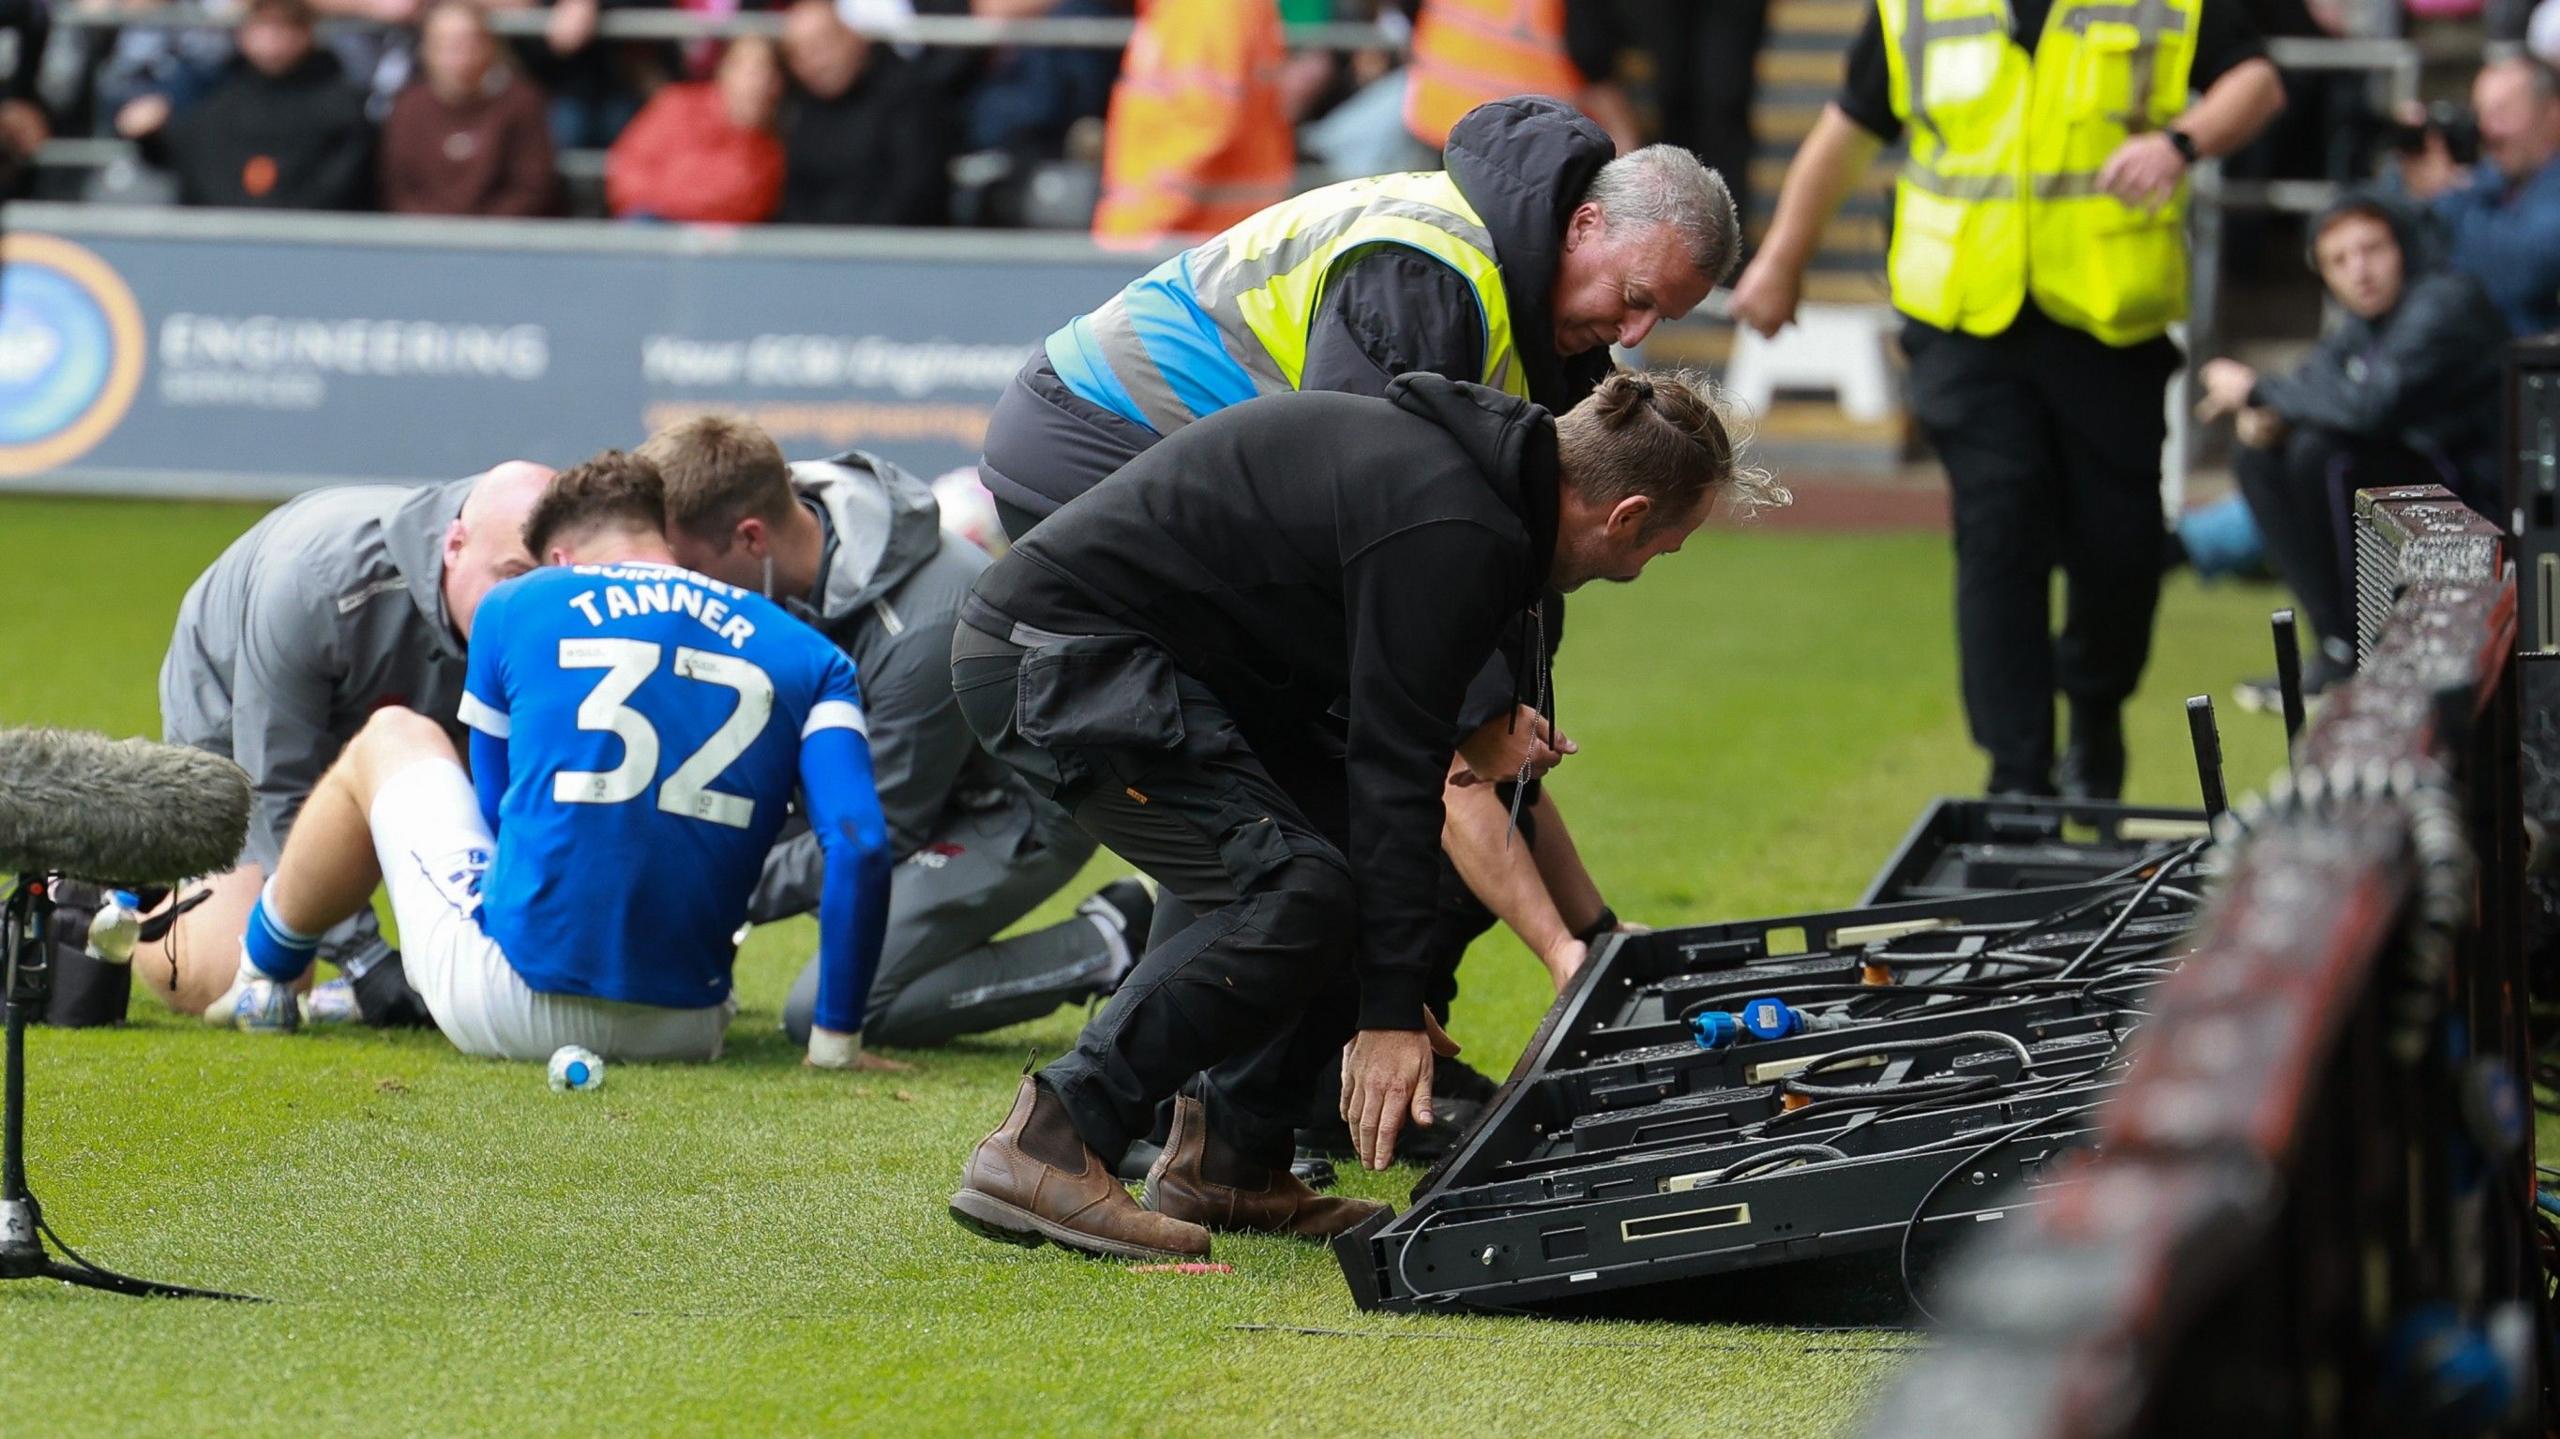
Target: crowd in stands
column 416, row 107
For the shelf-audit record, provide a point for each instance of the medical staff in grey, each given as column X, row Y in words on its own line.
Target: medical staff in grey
column 854, row 546
column 338, row 603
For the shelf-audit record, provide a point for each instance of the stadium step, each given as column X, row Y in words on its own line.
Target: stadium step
column 1799, row 69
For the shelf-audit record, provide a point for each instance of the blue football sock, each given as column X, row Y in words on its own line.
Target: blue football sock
column 278, row 952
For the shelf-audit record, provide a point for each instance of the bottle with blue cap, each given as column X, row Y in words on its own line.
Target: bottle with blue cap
column 576, row 1067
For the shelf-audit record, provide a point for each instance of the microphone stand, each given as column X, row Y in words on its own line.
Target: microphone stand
column 26, row 920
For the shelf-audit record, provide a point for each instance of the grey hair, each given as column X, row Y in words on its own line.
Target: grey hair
column 1666, row 185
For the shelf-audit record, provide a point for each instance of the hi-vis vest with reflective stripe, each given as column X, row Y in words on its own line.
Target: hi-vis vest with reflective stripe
column 1467, row 52
column 1999, row 199
column 1227, row 319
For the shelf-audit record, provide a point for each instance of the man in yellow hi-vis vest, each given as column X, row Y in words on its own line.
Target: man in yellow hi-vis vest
column 2039, row 257
column 1517, row 268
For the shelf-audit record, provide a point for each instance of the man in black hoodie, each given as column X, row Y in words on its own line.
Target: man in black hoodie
column 1162, row 657
column 282, row 129
column 2402, row 390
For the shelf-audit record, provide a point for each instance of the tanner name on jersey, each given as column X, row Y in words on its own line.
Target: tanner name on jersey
column 656, row 589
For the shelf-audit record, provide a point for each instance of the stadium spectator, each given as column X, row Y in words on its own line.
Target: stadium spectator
column 1198, row 135
column 2503, row 215
column 1362, row 132
column 866, row 135
column 24, row 127
column 2403, row 391
column 1030, row 96
column 177, row 64
column 595, row 86
column 281, row 128
column 468, row 136
column 379, row 49
column 704, row 152
column 1468, row 52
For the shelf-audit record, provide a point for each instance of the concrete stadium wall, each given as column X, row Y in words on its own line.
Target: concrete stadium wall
column 238, row 355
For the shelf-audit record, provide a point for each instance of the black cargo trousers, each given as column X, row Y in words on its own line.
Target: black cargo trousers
column 1258, row 993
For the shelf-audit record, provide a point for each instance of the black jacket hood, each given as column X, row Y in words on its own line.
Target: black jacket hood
column 1524, row 163
column 884, row 523
column 1513, row 441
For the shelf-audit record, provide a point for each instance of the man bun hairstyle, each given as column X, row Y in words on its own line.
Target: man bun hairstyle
column 613, row 491
column 1671, row 436
column 719, row 470
column 1667, row 185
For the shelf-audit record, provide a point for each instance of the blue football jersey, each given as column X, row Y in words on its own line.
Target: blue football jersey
column 653, row 721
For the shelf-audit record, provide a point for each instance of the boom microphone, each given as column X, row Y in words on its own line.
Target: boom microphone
column 127, row 812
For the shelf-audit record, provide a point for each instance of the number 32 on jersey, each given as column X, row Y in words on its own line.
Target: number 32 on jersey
column 687, row 791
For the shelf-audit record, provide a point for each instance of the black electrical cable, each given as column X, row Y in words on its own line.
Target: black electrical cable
column 2016, row 1046
column 2068, row 913
column 1800, row 1085
column 1981, row 1088
column 1961, row 961
column 1904, row 1088
column 1934, row 1146
column 1404, row 1252
column 1911, row 1226
column 1900, row 1099
column 1766, row 1159
column 2148, row 860
column 2125, row 915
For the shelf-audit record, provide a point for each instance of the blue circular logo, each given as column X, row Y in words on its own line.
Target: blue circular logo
column 55, row 352
column 70, row 352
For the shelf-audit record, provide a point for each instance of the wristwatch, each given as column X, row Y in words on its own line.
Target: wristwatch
column 2182, row 142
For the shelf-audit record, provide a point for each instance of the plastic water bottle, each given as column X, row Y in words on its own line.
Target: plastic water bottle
column 115, row 928
column 576, row 1067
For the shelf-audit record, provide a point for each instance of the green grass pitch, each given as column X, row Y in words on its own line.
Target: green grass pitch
column 753, row 1247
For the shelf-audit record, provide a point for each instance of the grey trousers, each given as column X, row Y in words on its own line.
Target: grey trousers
column 940, row 975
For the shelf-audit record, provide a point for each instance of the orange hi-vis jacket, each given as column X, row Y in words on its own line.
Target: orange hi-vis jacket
column 1198, row 135
column 1466, row 52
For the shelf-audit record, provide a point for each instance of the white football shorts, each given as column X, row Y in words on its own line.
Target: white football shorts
column 435, row 849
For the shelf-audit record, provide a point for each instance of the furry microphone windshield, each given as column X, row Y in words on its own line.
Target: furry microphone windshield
column 117, row 811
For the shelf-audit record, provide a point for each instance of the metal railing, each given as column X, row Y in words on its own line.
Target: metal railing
column 957, row 31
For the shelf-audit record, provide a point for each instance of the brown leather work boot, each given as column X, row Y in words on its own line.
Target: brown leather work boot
column 1034, row 1179
column 1201, row 1178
